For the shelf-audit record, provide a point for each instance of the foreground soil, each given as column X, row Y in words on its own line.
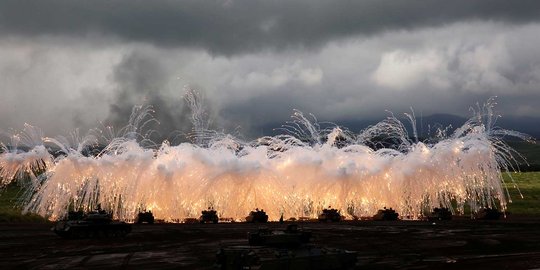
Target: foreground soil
column 512, row 243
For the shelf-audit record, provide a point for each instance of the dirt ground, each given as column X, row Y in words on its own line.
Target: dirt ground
column 512, row 243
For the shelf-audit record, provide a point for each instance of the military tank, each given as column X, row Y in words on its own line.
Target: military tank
column 291, row 236
column 209, row 216
column 287, row 249
column 257, row 216
column 95, row 224
column 330, row 214
column 386, row 214
column 145, row 217
column 439, row 214
column 488, row 214
column 76, row 215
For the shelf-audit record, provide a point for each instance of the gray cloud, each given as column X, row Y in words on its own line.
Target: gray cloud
column 441, row 69
column 140, row 78
column 56, row 86
column 75, row 63
column 230, row 27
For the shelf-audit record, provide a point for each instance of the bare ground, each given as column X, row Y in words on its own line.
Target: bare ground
column 512, row 243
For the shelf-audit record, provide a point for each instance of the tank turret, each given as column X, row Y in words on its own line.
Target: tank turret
column 257, row 216
column 145, row 217
column 386, row 214
column 209, row 216
column 330, row 214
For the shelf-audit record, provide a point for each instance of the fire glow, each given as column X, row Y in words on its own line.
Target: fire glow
column 296, row 174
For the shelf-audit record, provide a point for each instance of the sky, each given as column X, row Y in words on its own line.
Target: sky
column 67, row 64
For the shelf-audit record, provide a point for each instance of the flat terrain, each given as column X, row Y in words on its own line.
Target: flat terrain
column 512, row 243
column 26, row 241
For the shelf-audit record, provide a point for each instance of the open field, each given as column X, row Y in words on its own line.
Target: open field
column 511, row 243
column 529, row 185
column 10, row 210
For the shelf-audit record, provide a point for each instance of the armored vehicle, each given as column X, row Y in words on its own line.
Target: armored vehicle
column 386, row 214
column 94, row 224
column 488, row 214
column 208, row 216
column 287, row 249
column 439, row 214
column 330, row 214
column 145, row 217
column 75, row 215
column 257, row 216
column 292, row 236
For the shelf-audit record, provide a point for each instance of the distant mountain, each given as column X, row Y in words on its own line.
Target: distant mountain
column 524, row 124
column 528, row 125
column 427, row 125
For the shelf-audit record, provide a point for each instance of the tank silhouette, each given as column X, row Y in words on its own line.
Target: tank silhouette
column 286, row 249
column 488, row 214
column 145, row 217
column 439, row 214
column 386, row 214
column 257, row 216
column 95, row 224
column 290, row 237
column 75, row 215
column 208, row 216
column 330, row 214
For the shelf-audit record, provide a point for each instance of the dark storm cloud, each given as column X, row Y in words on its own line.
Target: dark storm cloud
column 141, row 79
column 228, row 27
column 72, row 64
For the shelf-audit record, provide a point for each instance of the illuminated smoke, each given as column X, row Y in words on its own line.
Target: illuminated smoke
column 297, row 173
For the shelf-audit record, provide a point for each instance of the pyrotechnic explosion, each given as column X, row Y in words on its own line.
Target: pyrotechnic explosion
column 297, row 174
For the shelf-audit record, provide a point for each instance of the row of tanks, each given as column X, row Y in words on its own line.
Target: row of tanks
column 256, row 216
column 334, row 215
column 327, row 215
column 442, row 213
column 99, row 223
column 283, row 249
column 389, row 214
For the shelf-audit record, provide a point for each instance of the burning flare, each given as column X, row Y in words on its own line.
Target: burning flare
column 296, row 174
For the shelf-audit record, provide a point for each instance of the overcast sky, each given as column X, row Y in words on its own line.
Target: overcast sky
column 66, row 63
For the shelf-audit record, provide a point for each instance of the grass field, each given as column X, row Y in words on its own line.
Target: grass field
column 528, row 183
column 531, row 152
column 9, row 210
